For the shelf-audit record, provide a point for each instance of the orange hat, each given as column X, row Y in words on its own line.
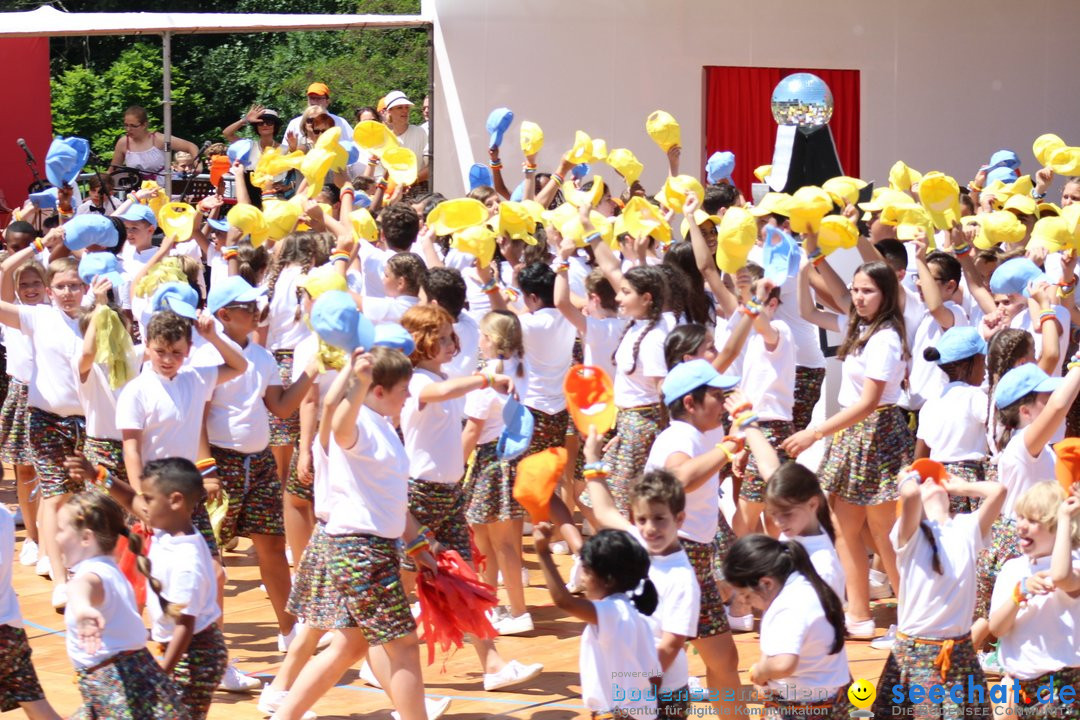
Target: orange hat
column 590, row 398
column 219, row 166
column 930, row 470
column 1067, row 466
column 537, row 476
column 318, row 89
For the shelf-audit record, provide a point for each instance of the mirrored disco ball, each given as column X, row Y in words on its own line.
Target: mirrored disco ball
column 802, row 99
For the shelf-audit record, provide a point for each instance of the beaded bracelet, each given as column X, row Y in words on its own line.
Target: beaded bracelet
column 727, row 453
column 347, row 191
column 104, row 479
column 1074, row 362
column 495, row 165
column 747, row 418
column 594, row 474
column 592, row 237
column 739, row 442
column 557, row 178
column 814, row 255
column 818, row 260
column 962, row 250
column 910, row 475
column 599, row 465
column 562, row 267
column 134, row 199
column 339, row 255
column 208, row 470
column 1020, row 593
column 741, row 409
column 230, row 252
column 418, row 544
column 528, row 168
column 381, row 185
column 490, row 286
column 1046, row 315
column 39, row 245
column 973, row 187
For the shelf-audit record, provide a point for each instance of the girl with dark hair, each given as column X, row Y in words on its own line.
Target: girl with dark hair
column 936, row 554
column 868, row 441
column 803, row 660
column 617, row 641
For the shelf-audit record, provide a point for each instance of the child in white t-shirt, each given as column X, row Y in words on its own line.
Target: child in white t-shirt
column 402, row 278
column 936, row 553
column 183, row 607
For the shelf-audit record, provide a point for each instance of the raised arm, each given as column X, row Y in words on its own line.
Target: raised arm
column 1050, row 418
column 563, row 302
column 234, row 363
column 607, row 514
column 253, row 114
column 931, row 292
column 1063, row 571
column 807, row 309
column 352, row 383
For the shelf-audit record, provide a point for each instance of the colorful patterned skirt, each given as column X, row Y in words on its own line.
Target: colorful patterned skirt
column 808, row 382
column 14, row 439
column 131, row 686
column 970, row 471
column 367, row 579
column 313, row 596
column 108, row 453
column 862, row 461
column 925, row 662
column 753, row 485
column 54, row 438
column 200, row 669
column 251, row 480
column 1004, row 545
column 489, row 488
column 441, row 506
column 18, row 681
column 674, row 704
column 722, row 542
column 712, row 619
column 635, row 431
column 284, row 431
column 837, row 707
column 1053, row 708
column 549, row 431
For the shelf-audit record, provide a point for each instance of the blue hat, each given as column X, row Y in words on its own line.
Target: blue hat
column 579, row 171
column 82, row 231
column 689, row 376
column 46, row 199
column 181, row 298
column 240, row 151
column 339, row 323
column 66, row 159
column 361, row 200
column 1002, row 173
column 395, row 336
column 97, row 264
column 720, row 166
column 780, row 255
column 1013, row 277
column 233, row 289
column 219, row 224
column 479, row 174
column 498, row 123
column 519, row 192
column 1004, row 158
column 517, row 434
column 960, row 342
column 1022, row 381
column 138, row 212
column 352, row 149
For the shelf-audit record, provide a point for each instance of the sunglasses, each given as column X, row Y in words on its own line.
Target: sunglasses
column 129, row 126
column 245, row 306
column 318, row 131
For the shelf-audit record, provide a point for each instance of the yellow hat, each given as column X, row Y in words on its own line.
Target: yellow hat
column 566, row 220
column 663, row 129
column 735, row 237
column 315, row 167
column 940, row 195
column 1048, row 209
column 762, row 172
column 843, row 190
column 1065, row 161
column 272, row 162
column 532, row 138
column 364, row 225
column 1044, row 147
column 158, row 199
column 281, row 218
column 1022, row 204
column 673, row 194
column 535, row 210
column 400, row 163
column 599, row 149
column 773, row 203
column 1001, row 191
column 249, row 220
column 1053, row 234
column 330, row 140
column 374, row 137
column 900, row 212
column 700, row 218
column 321, row 279
column 883, row 198
column 582, row 151
column 909, row 220
column 449, row 216
column 1071, row 213
column 624, row 163
column 590, row 197
column 301, row 225
column 476, row 240
column 806, row 208
column 837, row 232
column 177, row 219
column 996, row 228
column 902, row 178
column 641, row 219
column 516, row 221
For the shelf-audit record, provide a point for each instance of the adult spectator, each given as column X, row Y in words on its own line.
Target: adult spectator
column 319, row 94
column 144, row 150
column 413, row 137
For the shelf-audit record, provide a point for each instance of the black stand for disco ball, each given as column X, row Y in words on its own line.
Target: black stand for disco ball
column 803, row 156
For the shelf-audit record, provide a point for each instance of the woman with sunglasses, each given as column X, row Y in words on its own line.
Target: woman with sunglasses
column 142, row 150
column 314, row 122
column 267, row 124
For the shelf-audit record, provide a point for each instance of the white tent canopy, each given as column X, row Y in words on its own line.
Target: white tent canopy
column 49, row 22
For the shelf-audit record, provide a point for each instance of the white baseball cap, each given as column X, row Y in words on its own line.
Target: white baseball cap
column 396, row 98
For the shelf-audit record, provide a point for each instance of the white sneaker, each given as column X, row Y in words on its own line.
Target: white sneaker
column 509, row 625
column 29, row 554
column 879, row 585
column 575, row 586
column 284, row 641
column 368, row 675
column 270, row 701
column 991, row 663
column 740, row 623
column 497, row 614
column 885, row 642
column 237, row 682
column 560, row 548
column 860, row 629
column 513, row 673
column 435, row 708
column 59, row 597
column 44, row 567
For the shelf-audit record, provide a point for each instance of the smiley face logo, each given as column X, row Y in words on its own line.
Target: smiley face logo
column 861, row 694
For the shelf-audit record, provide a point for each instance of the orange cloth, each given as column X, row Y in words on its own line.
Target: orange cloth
column 1067, row 466
column 537, row 476
column 943, row 661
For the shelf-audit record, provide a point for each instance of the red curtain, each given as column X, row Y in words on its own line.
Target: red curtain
column 29, row 116
column 738, row 116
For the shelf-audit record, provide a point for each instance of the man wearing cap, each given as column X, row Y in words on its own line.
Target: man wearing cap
column 413, row 137
column 319, row 94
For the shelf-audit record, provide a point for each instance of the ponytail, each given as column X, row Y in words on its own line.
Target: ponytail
column 622, row 564
column 645, row 597
column 794, row 483
column 929, row 535
column 135, row 544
